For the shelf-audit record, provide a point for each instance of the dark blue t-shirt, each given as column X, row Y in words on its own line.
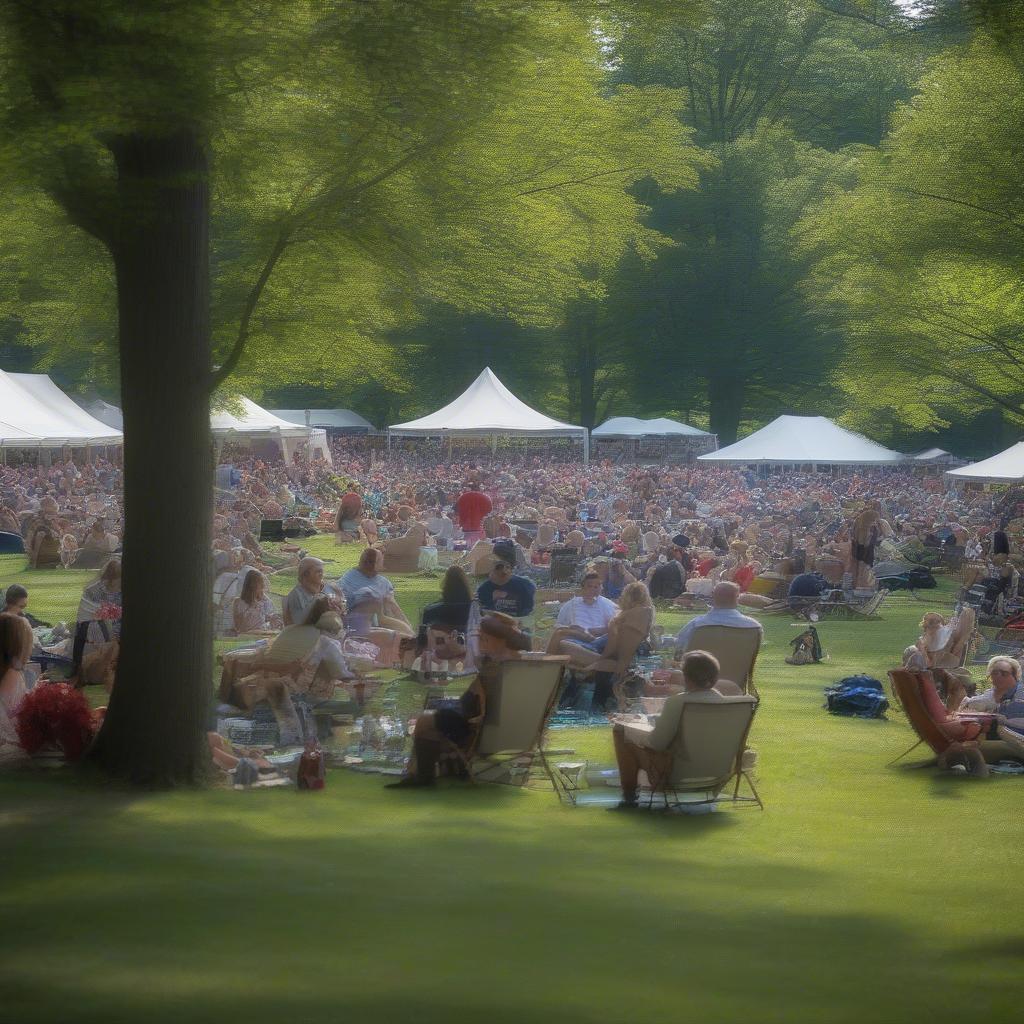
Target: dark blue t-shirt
column 513, row 598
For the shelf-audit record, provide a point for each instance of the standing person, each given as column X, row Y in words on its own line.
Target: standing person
column 1000, row 540
column 471, row 507
column 864, row 537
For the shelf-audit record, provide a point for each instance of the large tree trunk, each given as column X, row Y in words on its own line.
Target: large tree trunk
column 725, row 405
column 154, row 730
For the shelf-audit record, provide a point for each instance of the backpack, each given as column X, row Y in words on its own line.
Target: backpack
column 667, row 581
column 856, row 696
column 806, row 648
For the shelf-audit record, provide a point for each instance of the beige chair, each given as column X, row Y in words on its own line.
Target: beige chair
column 736, row 649
column 519, row 701
column 709, row 750
column 402, row 554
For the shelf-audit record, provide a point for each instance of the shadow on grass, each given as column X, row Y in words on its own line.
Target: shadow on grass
column 459, row 904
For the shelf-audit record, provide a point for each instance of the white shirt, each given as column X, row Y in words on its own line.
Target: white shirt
column 732, row 617
column 588, row 615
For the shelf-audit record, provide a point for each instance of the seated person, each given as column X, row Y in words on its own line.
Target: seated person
column 585, row 617
column 1004, row 699
column 627, row 630
column 367, row 576
column 101, row 596
column 807, row 585
column 647, row 746
column 68, row 550
column 504, row 592
column 15, row 651
column 724, row 612
column 15, row 600
column 942, row 641
column 452, row 611
column 315, row 645
column 309, row 588
column 98, row 540
column 457, row 721
column 253, row 611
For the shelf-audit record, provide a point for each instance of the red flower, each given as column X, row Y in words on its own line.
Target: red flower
column 55, row 714
column 109, row 611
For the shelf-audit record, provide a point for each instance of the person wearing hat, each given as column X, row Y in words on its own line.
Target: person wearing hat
column 503, row 591
column 456, row 721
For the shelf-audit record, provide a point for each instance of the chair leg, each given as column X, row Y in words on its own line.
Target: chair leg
column 750, row 783
column 904, row 754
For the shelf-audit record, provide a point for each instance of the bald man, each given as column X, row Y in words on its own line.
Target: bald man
column 724, row 612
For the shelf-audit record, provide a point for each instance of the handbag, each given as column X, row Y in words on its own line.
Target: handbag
column 312, row 770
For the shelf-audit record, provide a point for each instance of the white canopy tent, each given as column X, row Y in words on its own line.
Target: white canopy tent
column 624, row 427
column 35, row 413
column 255, row 424
column 328, row 419
column 487, row 409
column 805, row 440
column 105, row 413
column 1005, row 468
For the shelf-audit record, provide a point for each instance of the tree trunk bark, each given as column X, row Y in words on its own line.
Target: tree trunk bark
column 725, row 407
column 155, row 725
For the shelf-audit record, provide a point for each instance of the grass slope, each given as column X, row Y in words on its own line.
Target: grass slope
column 862, row 892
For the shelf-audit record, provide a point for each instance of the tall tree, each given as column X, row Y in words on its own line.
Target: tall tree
column 352, row 159
column 774, row 92
column 924, row 259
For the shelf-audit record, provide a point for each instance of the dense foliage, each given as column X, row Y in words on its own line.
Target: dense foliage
column 712, row 210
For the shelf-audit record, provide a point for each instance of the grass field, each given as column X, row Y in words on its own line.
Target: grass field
column 862, row 892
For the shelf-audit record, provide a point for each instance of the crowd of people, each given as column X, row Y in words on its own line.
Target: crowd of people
column 630, row 535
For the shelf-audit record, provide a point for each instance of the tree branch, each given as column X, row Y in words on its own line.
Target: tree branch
column 999, row 215
column 252, row 300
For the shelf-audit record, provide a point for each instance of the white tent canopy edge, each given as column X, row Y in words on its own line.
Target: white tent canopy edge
column 487, row 409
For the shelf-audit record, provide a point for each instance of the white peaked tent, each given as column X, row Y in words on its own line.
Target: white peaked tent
column 1005, row 468
column 256, row 424
column 35, row 413
column 105, row 413
column 805, row 440
column 328, row 419
column 628, row 426
column 488, row 409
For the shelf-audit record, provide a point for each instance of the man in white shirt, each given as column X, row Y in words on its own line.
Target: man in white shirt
column 646, row 745
column 724, row 612
column 585, row 617
column 441, row 527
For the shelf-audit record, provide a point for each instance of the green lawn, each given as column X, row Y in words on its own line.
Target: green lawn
column 862, row 892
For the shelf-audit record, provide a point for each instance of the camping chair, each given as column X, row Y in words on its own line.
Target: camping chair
column 910, row 690
column 618, row 668
column 402, row 554
column 736, row 650
column 709, row 751
column 509, row 740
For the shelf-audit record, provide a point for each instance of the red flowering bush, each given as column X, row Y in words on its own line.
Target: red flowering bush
column 55, row 714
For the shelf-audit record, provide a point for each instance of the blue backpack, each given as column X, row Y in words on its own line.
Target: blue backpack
column 857, row 696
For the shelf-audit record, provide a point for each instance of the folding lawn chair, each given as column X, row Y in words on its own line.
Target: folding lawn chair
column 736, row 650
column 709, row 751
column 519, row 701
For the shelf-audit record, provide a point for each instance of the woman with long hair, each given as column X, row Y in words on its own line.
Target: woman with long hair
column 253, row 611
